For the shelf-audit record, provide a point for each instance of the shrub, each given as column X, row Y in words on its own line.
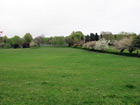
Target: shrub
column 2, row 45
column 82, row 42
column 33, row 44
column 89, row 45
column 101, row 45
column 10, row 41
column 26, row 45
column 7, row 45
column 84, row 45
column 16, row 46
column 76, row 45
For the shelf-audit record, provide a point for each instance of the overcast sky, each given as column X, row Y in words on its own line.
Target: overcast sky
column 61, row 17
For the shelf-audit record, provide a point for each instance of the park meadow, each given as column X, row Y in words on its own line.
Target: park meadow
column 74, row 70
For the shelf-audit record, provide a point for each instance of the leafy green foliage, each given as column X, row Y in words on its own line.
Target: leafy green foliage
column 1, row 39
column 58, row 41
column 40, row 40
column 16, row 39
column 46, row 40
column 2, row 45
column 33, row 44
column 7, row 45
column 10, row 41
column 28, row 38
column 75, row 37
column 70, row 41
column 4, row 39
column 136, row 42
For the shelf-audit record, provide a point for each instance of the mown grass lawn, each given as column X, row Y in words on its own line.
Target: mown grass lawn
column 67, row 76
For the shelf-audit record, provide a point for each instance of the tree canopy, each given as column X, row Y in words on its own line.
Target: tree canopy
column 28, row 38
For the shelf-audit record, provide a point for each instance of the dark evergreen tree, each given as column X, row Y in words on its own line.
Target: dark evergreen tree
column 92, row 37
column 101, row 36
column 87, row 38
column 96, row 37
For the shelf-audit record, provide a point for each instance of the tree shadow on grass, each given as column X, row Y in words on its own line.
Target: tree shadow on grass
column 109, row 52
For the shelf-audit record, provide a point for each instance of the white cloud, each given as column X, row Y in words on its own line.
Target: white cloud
column 61, row 17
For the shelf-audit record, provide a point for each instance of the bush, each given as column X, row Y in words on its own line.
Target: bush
column 76, row 45
column 26, row 45
column 82, row 42
column 2, row 45
column 16, row 46
column 7, row 45
column 101, row 45
column 33, row 44
column 89, row 45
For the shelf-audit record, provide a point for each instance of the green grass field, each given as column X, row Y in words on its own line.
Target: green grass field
column 67, row 76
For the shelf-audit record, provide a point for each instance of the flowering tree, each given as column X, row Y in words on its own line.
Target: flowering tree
column 125, row 43
column 101, row 45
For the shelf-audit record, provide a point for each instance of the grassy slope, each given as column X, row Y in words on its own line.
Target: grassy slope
column 67, row 76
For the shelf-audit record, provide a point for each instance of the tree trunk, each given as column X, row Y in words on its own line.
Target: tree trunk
column 121, row 51
column 138, row 54
column 131, row 51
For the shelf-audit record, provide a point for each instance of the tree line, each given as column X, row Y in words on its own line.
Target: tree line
column 120, row 41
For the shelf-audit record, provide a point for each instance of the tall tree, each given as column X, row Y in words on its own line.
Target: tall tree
column 101, row 36
column 16, row 40
column 107, row 35
column 69, row 41
column 58, row 41
column 28, row 38
column 92, row 37
column 40, row 40
column 87, row 38
column 136, row 42
column 4, row 39
column 96, row 37
column 75, row 37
